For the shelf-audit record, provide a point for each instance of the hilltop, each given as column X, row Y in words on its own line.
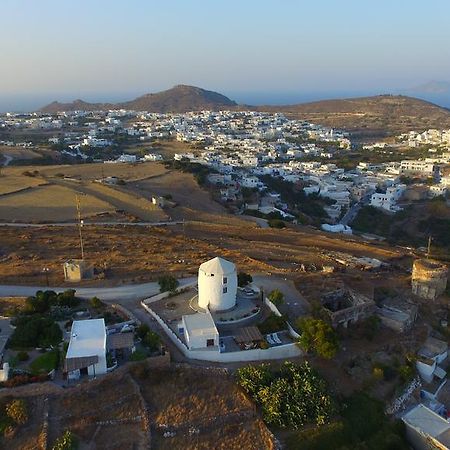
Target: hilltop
column 375, row 116
column 179, row 99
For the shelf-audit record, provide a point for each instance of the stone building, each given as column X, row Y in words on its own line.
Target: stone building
column 346, row 306
column 429, row 278
column 77, row 269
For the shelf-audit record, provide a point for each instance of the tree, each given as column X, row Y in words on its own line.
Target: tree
column 167, row 283
column 289, row 397
column 152, row 341
column 17, row 411
column 276, row 223
column 244, row 279
column 142, row 330
column 276, row 297
column 318, row 336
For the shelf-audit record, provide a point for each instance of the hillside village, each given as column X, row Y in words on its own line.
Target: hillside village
column 271, row 304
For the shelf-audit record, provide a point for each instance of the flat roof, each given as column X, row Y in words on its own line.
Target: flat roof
column 87, row 338
column 199, row 323
column 429, row 422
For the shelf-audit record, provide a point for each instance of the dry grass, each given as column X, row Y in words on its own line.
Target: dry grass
column 8, row 304
column 234, row 422
column 89, row 172
column 19, row 153
column 14, row 183
column 24, row 252
column 47, row 203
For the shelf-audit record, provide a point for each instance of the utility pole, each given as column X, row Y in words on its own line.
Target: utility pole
column 429, row 246
column 80, row 226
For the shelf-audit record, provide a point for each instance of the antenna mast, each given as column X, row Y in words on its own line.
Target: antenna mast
column 80, row 226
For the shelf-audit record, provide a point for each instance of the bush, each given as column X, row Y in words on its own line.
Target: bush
column 167, row 283
column 244, row 279
column 142, row 330
column 17, row 411
column 96, row 303
column 23, row 356
column 318, row 336
column 272, row 324
column 66, row 442
column 138, row 355
column 152, row 341
column 276, row 297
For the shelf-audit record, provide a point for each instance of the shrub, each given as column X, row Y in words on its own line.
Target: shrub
column 17, row 411
column 272, row 324
column 276, row 297
column 66, row 442
column 167, row 283
column 96, row 303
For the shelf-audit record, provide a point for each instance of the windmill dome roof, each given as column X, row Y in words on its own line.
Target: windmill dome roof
column 218, row 265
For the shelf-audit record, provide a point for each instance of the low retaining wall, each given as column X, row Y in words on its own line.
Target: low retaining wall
column 162, row 295
column 280, row 352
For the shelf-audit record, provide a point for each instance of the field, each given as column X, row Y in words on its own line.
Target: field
column 50, row 203
column 25, row 193
column 18, row 153
column 176, row 249
column 133, row 407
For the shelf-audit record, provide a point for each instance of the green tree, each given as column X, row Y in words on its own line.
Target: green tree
column 244, row 279
column 152, row 341
column 142, row 330
column 167, row 283
column 317, row 336
column 276, row 297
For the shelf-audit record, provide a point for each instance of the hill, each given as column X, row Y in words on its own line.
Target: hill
column 376, row 116
column 181, row 98
column 365, row 117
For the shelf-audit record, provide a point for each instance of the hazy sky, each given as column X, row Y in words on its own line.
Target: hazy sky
column 98, row 49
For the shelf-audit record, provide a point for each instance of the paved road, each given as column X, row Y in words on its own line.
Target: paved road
column 350, row 215
column 75, row 224
column 120, row 294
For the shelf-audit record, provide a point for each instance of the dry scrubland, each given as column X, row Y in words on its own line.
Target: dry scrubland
column 148, row 403
column 48, row 203
column 19, row 153
column 137, row 254
column 28, row 201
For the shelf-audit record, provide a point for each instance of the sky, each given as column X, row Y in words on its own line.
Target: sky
column 254, row 51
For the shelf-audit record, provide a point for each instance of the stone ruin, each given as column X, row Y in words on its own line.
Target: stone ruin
column 429, row 278
column 346, row 306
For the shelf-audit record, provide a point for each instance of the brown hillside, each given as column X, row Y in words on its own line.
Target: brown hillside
column 376, row 116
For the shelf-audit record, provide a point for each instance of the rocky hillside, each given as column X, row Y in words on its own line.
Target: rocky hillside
column 179, row 99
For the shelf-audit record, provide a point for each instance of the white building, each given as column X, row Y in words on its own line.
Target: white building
column 417, row 167
column 426, row 429
column 200, row 331
column 389, row 199
column 87, row 348
column 433, row 352
column 217, row 285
